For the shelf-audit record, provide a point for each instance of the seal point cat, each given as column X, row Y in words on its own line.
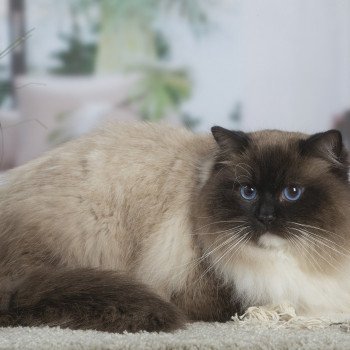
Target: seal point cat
column 147, row 227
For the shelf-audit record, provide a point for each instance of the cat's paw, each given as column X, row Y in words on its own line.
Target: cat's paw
column 165, row 319
column 151, row 315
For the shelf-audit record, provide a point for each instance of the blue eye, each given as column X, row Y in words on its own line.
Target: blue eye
column 248, row 192
column 292, row 193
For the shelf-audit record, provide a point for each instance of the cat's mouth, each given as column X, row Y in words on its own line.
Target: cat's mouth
column 271, row 240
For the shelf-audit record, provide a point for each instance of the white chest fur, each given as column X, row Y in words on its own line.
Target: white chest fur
column 271, row 276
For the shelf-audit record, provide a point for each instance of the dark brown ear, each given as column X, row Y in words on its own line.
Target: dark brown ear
column 229, row 140
column 327, row 145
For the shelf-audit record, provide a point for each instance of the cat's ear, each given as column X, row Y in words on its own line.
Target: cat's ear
column 229, row 140
column 327, row 145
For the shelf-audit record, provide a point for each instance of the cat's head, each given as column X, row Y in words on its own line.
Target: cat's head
column 276, row 190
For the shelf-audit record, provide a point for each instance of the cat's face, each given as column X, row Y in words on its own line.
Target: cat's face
column 277, row 190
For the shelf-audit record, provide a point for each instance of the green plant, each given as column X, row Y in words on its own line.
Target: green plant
column 160, row 91
column 128, row 36
column 128, row 41
column 5, row 85
column 78, row 57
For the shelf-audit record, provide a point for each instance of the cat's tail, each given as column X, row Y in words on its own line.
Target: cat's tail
column 86, row 299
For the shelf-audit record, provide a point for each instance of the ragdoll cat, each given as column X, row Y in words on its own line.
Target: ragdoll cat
column 146, row 227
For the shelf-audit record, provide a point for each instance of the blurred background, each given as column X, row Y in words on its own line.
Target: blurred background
column 67, row 66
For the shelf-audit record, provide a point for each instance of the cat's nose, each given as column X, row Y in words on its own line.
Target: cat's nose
column 266, row 219
column 266, row 213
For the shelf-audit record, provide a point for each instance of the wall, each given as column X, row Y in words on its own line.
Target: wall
column 288, row 62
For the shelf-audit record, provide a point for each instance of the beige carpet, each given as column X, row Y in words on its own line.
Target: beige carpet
column 258, row 335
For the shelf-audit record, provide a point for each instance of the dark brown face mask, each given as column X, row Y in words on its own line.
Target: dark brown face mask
column 287, row 184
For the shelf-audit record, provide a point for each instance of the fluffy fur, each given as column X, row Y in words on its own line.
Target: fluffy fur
column 141, row 227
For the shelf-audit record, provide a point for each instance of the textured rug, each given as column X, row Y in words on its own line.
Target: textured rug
column 268, row 327
column 196, row 336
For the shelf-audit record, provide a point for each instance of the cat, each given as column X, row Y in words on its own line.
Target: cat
column 147, row 227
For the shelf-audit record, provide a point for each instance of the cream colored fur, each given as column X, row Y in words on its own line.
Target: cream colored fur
column 125, row 204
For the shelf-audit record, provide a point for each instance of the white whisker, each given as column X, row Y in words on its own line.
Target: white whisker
column 316, row 228
column 232, row 235
column 217, row 232
column 219, row 222
column 211, row 266
column 302, row 244
column 324, row 241
column 305, row 237
column 241, row 246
